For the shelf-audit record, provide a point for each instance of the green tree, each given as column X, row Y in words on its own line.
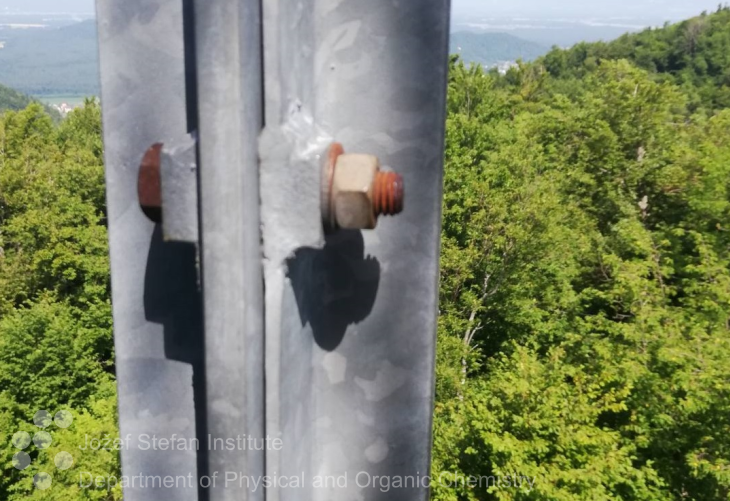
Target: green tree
column 585, row 288
column 56, row 350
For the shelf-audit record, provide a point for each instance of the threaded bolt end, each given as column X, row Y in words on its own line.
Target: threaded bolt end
column 388, row 193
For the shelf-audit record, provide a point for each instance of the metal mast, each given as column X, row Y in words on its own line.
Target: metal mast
column 239, row 315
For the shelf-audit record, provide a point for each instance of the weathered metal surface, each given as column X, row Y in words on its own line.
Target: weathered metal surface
column 230, row 115
column 156, row 303
column 179, row 189
column 346, row 353
column 351, row 318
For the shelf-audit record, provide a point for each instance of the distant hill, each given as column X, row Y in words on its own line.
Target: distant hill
column 550, row 32
column 694, row 53
column 47, row 61
column 12, row 100
column 490, row 49
column 64, row 61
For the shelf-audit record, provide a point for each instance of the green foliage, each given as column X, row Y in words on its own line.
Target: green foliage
column 13, row 100
column 693, row 54
column 56, row 350
column 585, row 280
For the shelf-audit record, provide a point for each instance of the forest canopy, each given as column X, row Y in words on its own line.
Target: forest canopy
column 584, row 333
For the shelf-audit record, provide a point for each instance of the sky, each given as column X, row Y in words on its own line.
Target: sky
column 534, row 9
column 73, row 6
column 669, row 10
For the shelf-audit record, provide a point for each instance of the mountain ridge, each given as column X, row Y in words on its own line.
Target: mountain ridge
column 490, row 49
column 51, row 61
column 13, row 100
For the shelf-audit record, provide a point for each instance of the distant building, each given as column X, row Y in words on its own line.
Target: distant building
column 504, row 66
column 63, row 108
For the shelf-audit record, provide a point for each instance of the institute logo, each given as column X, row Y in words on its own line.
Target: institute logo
column 42, row 440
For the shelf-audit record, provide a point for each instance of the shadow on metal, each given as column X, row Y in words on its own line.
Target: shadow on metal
column 172, row 298
column 335, row 286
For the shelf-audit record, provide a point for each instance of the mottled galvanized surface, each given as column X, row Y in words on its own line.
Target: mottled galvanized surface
column 230, row 116
column 157, row 313
column 179, row 189
column 351, row 320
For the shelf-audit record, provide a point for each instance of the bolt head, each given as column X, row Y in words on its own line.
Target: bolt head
column 354, row 211
column 327, row 202
column 148, row 184
column 352, row 191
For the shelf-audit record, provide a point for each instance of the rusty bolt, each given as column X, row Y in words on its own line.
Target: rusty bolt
column 148, row 184
column 356, row 191
column 388, row 193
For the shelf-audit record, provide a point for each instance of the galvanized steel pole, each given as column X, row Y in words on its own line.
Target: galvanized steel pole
column 230, row 118
column 351, row 318
column 323, row 342
column 158, row 331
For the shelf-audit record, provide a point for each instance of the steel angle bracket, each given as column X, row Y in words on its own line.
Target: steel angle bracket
column 155, row 294
column 238, row 319
column 179, row 189
column 187, row 293
column 351, row 317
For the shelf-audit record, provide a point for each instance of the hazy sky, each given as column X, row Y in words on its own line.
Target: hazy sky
column 651, row 9
column 75, row 6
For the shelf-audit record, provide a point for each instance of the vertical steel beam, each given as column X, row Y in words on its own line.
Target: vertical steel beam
column 348, row 352
column 156, row 303
column 351, row 319
column 230, row 116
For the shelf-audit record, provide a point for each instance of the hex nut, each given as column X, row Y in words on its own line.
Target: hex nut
column 149, row 190
column 352, row 191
